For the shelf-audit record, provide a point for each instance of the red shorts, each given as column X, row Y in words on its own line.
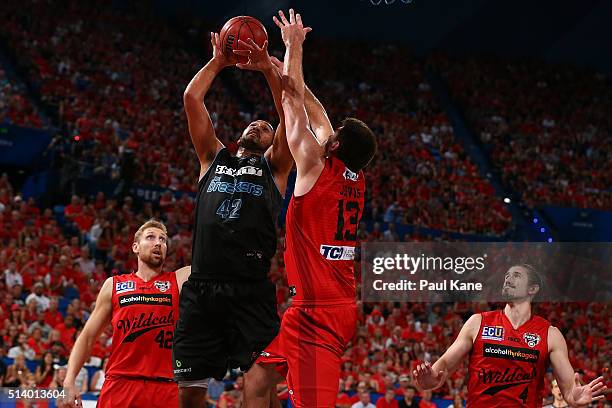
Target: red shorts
column 308, row 352
column 137, row 393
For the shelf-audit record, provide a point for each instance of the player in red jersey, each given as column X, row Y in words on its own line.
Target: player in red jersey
column 142, row 308
column 509, row 350
column 321, row 228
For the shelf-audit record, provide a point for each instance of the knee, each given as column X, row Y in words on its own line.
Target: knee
column 258, row 381
column 192, row 397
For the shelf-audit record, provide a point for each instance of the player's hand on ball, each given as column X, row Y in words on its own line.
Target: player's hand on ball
column 218, row 55
column 425, row 377
column 583, row 395
column 292, row 31
column 259, row 59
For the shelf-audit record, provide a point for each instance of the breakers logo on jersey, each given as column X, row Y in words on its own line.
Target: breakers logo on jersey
column 506, row 379
column 122, row 287
column 493, row 333
column 250, row 170
column 531, row 339
column 338, row 253
column 162, row 286
column 235, row 187
column 511, row 353
column 139, row 299
column 349, row 175
column 139, row 324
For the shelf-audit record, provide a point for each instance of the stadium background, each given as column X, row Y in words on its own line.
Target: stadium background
column 493, row 121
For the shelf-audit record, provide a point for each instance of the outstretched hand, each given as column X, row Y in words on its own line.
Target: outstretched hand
column 292, row 31
column 426, row 378
column 583, row 395
column 258, row 57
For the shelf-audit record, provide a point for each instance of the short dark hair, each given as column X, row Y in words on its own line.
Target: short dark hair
column 357, row 144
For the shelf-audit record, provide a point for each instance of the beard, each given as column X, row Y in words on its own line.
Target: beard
column 153, row 262
column 251, row 144
column 509, row 295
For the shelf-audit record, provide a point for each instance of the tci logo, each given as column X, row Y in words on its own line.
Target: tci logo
column 337, row 253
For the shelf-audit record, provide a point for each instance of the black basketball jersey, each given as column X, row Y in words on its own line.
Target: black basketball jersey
column 235, row 224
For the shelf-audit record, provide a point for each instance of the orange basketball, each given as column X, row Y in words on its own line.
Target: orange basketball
column 241, row 28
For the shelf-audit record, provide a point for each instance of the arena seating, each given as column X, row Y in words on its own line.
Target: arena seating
column 546, row 127
column 15, row 107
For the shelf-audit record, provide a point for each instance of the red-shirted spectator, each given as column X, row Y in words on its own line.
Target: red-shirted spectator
column 52, row 316
column 67, row 331
column 388, row 401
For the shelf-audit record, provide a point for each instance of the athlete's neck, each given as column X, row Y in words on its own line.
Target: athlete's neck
column 146, row 273
column 518, row 312
column 242, row 152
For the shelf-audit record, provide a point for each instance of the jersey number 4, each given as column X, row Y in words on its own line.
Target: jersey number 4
column 348, row 213
column 230, row 208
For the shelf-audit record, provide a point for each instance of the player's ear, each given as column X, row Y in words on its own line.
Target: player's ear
column 334, row 146
column 135, row 247
column 533, row 290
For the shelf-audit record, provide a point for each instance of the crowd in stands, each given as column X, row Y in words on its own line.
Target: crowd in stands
column 116, row 78
column 421, row 175
column 53, row 265
column 546, row 127
column 15, row 107
column 123, row 101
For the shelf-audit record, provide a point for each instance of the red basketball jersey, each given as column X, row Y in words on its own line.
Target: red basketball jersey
column 507, row 366
column 143, row 326
column 321, row 235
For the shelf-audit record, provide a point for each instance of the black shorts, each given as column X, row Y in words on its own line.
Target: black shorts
column 222, row 325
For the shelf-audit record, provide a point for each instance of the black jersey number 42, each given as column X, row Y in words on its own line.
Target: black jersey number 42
column 348, row 218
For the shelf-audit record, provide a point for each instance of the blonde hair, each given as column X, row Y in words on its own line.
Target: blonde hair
column 152, row 223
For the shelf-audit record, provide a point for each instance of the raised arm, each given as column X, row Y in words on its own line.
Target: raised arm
column 306, row 150
column 201, row 128
column 317, row 116
column 430, row 377
column 319, row 121
column 575, row 395
column 97, row 322
column 278, row 155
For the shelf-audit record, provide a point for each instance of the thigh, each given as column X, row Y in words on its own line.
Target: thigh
column 123, row 392
column 254, row 321
column 162, row 394
column 199, row 347
column 314, row 344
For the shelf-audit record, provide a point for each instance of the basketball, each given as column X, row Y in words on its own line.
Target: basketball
column 241, row 28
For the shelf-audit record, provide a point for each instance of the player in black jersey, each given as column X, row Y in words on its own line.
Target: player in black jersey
column 228, row 306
